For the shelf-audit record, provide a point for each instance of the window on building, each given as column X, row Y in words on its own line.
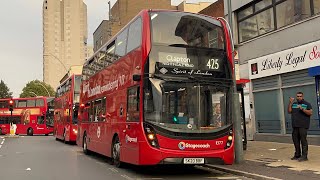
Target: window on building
column 262, row 4
column 256, row 25
column 264, row 16
column 291, row 11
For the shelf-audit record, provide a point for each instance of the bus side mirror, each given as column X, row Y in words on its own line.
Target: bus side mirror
column 136, row 77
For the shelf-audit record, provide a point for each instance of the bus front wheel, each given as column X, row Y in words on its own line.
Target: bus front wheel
column 30, row 132
column 116, row 152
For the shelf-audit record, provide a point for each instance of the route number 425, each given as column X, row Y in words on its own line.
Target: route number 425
column 213, row 64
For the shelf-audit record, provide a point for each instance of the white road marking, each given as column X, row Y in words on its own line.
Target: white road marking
column 0, row 146
column 2, row 142
column 113, row 170
column 127, row 177
column 230, row 177
column 28, row 169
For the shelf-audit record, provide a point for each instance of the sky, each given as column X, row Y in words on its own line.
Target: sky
column 21, row 38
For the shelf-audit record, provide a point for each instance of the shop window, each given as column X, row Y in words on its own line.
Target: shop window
column 310, row 96
column 267, row 111
column 316, row 4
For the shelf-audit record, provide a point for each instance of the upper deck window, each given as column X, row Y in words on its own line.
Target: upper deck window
column 184, row 29
column 39, row 102
column 4, row 104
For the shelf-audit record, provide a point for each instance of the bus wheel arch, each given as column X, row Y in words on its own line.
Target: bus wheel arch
column 30, row 131
column 115, row 151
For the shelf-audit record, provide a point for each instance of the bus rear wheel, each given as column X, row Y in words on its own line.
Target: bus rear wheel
column 116, row 152
column 64, row 136
column 30, row 132
column 85, row 145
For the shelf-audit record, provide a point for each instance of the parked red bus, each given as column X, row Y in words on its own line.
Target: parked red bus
column 31, row 115
column 66, row 109
column 160, row 92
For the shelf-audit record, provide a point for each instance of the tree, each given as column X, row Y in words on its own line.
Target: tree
column 4, row 90
column 37, row 88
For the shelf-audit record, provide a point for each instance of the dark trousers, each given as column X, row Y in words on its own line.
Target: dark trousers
column 300, row 135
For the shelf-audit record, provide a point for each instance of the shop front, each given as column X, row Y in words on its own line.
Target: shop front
column 278, row 76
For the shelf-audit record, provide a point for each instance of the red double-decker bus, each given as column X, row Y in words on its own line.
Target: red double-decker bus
column 31, row 115
column 66, row 107
column 160, row 92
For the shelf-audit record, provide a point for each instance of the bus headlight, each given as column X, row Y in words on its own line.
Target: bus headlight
column 229, row 140
column 151, row 136
column 75, row 131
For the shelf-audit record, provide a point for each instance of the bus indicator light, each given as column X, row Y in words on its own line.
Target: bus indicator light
column 11, row 105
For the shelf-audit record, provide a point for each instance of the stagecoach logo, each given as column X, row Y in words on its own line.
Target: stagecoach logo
column 98, row 132
column 163, row 70
column 130, row 139
column 183, row 145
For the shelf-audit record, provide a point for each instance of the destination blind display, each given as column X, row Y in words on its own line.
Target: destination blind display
column 201, row 64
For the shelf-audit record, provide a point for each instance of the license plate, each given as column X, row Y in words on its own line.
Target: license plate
column 193, row 161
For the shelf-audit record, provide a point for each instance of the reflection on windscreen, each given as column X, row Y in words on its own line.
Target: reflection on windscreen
column 49, row 118
column 186, row 29
column 186, row 107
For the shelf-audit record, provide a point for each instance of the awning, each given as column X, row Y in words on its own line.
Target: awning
column 314, row 71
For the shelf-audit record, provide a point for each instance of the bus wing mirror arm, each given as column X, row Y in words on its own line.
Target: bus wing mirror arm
column 136, row 77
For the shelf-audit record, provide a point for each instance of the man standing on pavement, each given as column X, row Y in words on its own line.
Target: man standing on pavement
column 300, row 111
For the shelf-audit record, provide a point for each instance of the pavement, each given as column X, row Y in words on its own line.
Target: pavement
column 271, row 160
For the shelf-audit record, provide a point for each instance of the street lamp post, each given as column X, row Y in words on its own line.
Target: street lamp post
column 50, row 54
column 236, row 101
column 45, row 89
column 31, row 92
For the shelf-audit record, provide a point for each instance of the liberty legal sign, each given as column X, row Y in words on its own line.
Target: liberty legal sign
column 294, row 59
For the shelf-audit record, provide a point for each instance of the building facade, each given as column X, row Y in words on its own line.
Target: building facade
column 192, row 7
column 64, row 37
column 277, row 41
column 124, row 10
column 101, row 35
